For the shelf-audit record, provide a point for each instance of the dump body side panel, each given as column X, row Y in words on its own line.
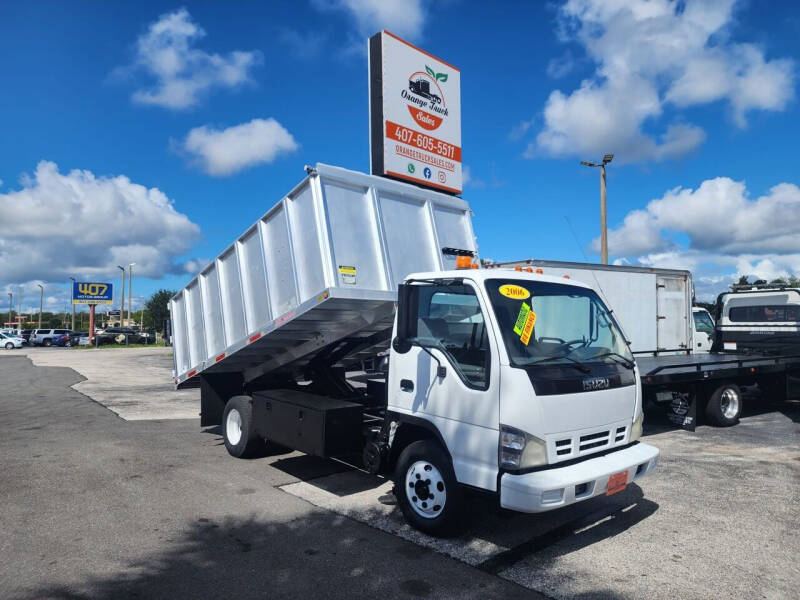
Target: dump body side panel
column 322, row 265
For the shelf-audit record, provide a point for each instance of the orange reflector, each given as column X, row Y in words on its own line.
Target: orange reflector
column 475, row 266
column 220, row 357
column 192, row 373
column 529, row 269
column 566, row 276
column 254, row 337
column 324, row 294
column 539, row 272
column 463, row 262
column 518, row 268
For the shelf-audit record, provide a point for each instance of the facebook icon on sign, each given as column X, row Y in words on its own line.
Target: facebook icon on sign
column 427, row 172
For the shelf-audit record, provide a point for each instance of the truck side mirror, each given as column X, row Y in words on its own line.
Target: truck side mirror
column 406, row 318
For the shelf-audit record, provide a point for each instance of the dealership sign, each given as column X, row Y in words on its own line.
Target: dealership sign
column 91, row 293
column 415, row 114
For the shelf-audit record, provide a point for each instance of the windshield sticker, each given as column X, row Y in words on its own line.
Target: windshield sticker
column 527, row 330
column 516, row 292
column 522, row 317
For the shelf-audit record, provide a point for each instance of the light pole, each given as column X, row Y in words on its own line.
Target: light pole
column 130, row 291
column 19, row 309
column 603, row 229
column 11, row 307
column 72, row 325
column 41, row 302
column 122, row 296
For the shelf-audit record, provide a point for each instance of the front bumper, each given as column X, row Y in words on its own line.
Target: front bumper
column 553, row 488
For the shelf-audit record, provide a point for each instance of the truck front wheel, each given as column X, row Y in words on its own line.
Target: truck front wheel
column 427, row 490
column 238, row 432
column 725, row 405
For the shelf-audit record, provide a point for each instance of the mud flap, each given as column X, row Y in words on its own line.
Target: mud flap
column 681, row 409
column 215, row 390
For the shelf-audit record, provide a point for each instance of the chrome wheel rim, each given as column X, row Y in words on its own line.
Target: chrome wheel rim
column 425, row 489
column 233, row 427
column 729, row 403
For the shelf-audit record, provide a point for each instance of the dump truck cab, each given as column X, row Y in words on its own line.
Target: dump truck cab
column 525, row 381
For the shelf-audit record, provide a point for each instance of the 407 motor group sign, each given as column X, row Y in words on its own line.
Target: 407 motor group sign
column 415, row 113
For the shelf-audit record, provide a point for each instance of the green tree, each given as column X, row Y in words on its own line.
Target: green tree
column 156, row 306
column 742, row 281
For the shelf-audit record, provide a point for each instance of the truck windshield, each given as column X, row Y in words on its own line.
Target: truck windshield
column 552, row 323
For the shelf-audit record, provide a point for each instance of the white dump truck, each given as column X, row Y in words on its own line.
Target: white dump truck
column 511, row 383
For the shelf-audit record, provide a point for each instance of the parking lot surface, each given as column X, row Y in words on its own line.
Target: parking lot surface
column 99, row 506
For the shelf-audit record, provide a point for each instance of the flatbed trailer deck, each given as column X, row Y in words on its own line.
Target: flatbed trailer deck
column 688, row 382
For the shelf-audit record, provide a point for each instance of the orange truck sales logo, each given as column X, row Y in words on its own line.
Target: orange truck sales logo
column 425, row 96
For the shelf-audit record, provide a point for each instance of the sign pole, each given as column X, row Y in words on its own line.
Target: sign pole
column 91, row 323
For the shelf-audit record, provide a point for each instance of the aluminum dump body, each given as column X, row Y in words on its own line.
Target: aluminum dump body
column 320, row 266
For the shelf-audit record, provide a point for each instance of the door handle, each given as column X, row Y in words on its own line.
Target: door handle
column 406, row 385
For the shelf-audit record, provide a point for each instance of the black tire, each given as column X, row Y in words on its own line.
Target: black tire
column 47, row 343
column 448, row 520
column 9, row 346
column 725, row 405
column 248, row 441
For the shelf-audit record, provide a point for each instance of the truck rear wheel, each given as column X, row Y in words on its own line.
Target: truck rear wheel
column 725, row 405
column 238, row 431
column 427, row 490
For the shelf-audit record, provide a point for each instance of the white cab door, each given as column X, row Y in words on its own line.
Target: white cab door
column 463, row 404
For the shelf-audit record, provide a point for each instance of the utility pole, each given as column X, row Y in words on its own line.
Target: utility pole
column 72, row 297
column 603, row 227
column 130, row 291
column 19, row 309
column 41, row 302
column 122, row 296
column 11, row 307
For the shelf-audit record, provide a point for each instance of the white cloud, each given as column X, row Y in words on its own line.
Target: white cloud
column 651, row 55
column 405, row 18
column 728, row 233
column 222, row 152
column 79, row 225
column 183, row 73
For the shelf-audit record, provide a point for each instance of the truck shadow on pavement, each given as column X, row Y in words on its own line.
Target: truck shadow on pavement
column 328, row 556
column 313, row 557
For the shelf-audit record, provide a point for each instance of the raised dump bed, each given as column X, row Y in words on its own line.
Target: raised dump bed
column 317, row 274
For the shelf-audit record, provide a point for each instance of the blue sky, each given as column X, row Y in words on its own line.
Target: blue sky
column 123, row 126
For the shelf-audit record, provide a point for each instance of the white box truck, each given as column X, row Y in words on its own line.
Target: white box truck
column 516, row 384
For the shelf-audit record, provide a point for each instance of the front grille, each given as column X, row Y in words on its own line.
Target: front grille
column 594, row 440
column 574, row 445
column 563, row 446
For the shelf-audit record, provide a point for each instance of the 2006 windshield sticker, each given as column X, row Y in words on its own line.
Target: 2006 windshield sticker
column 526, row 319
column 515, row 292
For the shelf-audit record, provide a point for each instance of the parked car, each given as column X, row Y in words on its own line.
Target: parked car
column 25, row 334
column 44, row 337
column 64, row 339
column 79, row 338
column 9, row 342
column 117, row 335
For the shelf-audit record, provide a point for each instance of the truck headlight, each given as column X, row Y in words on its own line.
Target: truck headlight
column 636, row 428
column 520, row 450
